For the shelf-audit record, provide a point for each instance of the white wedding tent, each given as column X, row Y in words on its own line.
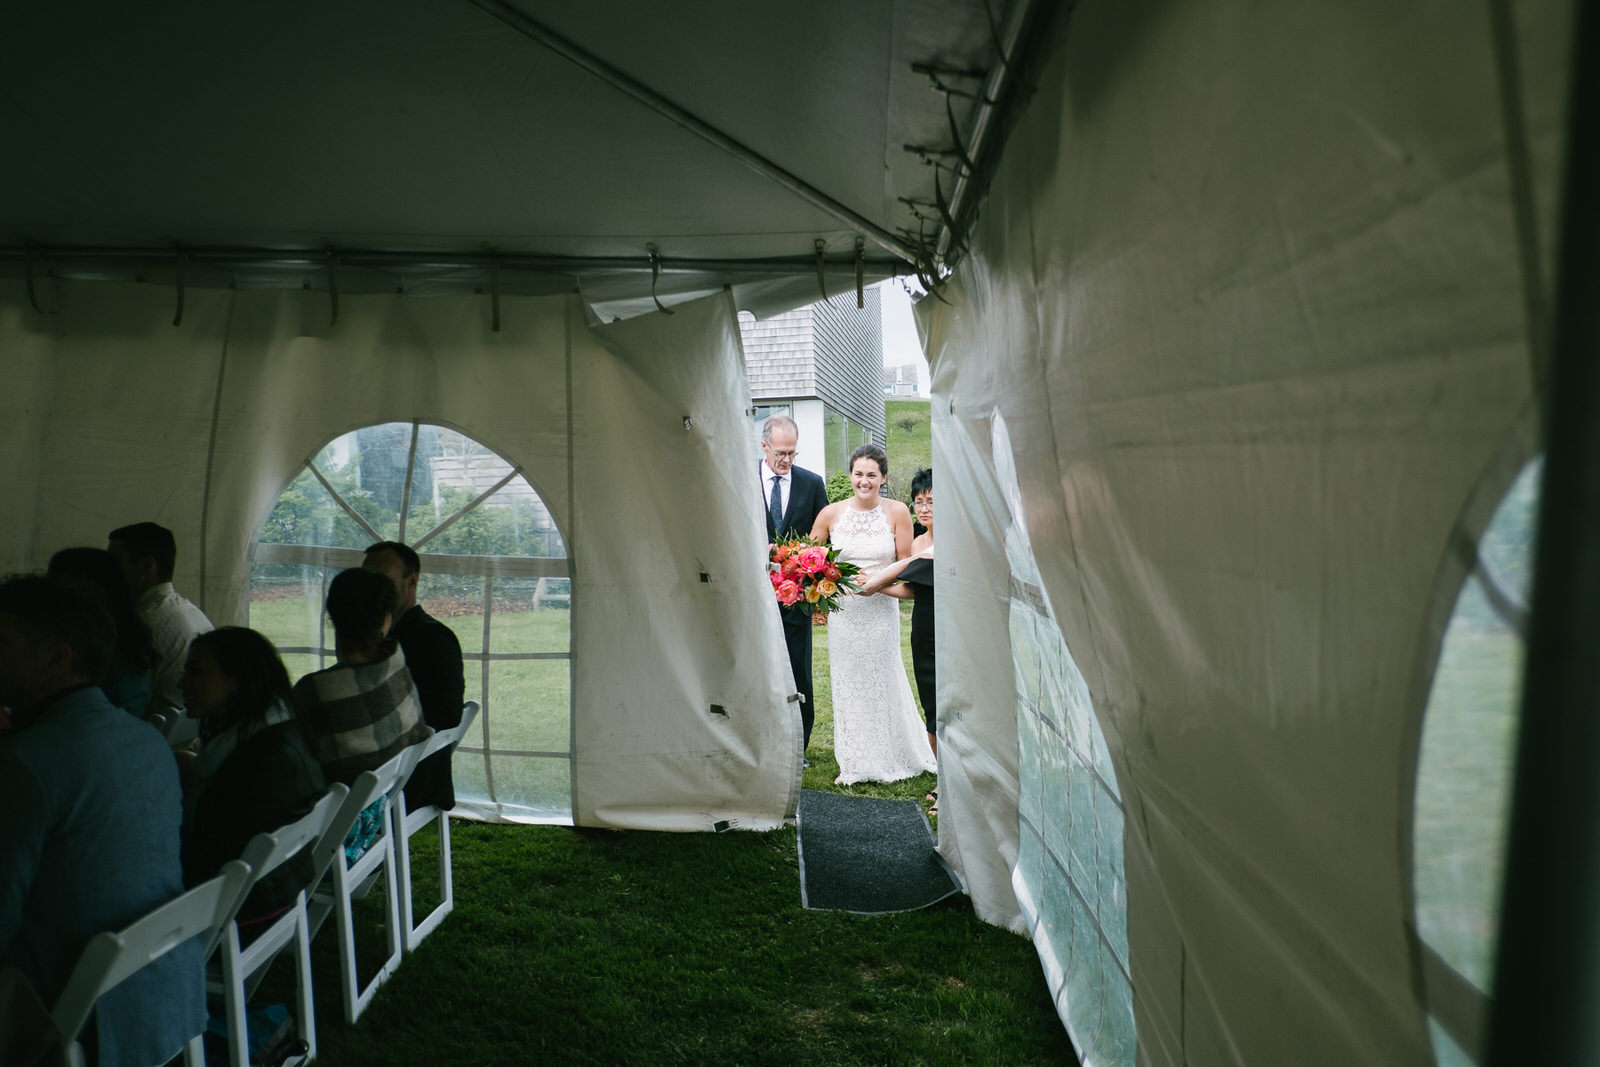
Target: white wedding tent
column 1242, row 327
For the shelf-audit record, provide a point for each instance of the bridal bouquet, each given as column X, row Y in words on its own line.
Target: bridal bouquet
column 802, row 569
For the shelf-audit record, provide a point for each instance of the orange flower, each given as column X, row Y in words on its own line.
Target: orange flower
column 827, row 587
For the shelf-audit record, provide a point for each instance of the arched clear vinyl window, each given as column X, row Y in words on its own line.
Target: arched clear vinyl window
column 1465, row 767
column 494, row 569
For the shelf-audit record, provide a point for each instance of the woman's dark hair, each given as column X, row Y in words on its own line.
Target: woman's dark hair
column 874, row 453
column 252, row 662
column 922, row 482
column 100, row 569
column 358, row 600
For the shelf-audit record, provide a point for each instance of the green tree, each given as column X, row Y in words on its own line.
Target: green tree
column 838, row 486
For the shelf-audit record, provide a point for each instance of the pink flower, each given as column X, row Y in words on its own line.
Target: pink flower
column 813, row 559
column 788, row 592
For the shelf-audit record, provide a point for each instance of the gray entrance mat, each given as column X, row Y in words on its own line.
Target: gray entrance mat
column 868, row 856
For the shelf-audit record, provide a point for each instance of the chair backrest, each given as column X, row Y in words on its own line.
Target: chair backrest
column 163, row 719
column 388, row 779
column 269, row 850
column 110, row 957
column 449, row 739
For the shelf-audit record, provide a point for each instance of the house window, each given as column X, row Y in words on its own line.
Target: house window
column 494, row 569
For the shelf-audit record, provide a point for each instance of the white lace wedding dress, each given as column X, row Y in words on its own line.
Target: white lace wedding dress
column 877, row 733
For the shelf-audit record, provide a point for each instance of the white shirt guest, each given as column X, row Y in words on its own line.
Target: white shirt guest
column 148, row 554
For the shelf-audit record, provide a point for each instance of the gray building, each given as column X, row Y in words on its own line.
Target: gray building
column 821, row 365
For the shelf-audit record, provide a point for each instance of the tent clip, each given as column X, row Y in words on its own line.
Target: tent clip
column 688, row 423
column 333, row 288
column 494, row 294
column 655, row 276
column 821, row 246
column 177, row 314
column 27, row 275
column 861, row 271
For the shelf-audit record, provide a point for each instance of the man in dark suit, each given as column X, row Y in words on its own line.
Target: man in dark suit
column 791, row 496
column 434, row 656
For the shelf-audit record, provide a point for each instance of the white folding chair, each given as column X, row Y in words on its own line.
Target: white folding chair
column 109, row 958
column 350, row 881
column 237, row 965
column 407, row 823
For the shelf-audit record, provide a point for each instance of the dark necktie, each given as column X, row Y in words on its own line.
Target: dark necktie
column 776, row 505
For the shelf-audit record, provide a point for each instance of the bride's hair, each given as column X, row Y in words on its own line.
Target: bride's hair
column 874, row 453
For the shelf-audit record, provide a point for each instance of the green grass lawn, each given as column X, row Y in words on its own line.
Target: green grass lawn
column 599, row 947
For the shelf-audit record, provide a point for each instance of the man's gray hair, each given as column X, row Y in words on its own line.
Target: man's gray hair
column 778, row 422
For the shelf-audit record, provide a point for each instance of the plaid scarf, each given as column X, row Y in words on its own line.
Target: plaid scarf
column 358, row 716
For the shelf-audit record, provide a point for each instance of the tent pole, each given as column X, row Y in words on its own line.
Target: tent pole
column 30, row 255
column 1547, row 973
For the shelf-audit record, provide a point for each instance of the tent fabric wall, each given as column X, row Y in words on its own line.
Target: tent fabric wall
column 1250, row 295
column 114, row 415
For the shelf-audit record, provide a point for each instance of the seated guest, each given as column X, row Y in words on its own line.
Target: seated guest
column 254, row 771
column 127, row 683
column 364, row 710
column 89, row 816
column 147, row 554
column 433, row 655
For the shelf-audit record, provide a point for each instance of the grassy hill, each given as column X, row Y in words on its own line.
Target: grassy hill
column 910, row 442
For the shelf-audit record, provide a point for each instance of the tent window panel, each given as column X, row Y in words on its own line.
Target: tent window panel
column 1069, row 868
column 308, row 514
column 1085, row 992
column 493, row 570
column 1463, row 784
column 531, row 698
column 532, row 615
column 457, row 601
column 1466, row 763
column 533, row 787
column 286, row 606
column 1117, row 1043
column 1506, row 548
column 1446, row 1053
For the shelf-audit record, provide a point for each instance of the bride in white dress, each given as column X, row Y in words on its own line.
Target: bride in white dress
column 877, row 733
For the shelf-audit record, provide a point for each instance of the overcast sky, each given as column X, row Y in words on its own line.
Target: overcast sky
column 900, row 344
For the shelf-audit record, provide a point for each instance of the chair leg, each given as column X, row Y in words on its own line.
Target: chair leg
column 402, row 842
column 234, row 999
column 308, row 1012
column 194, row 1053
column 344, row 923
column 447, row 887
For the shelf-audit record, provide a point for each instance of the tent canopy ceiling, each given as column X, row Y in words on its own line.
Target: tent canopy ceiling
column 453, row 131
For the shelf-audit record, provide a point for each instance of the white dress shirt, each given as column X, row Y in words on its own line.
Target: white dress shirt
column 173, row 622
column 784, row 480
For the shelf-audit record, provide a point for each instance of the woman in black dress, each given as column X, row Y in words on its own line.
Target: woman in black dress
column 912, row 577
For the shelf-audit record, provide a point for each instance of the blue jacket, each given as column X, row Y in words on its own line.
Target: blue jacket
column 89, row 817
